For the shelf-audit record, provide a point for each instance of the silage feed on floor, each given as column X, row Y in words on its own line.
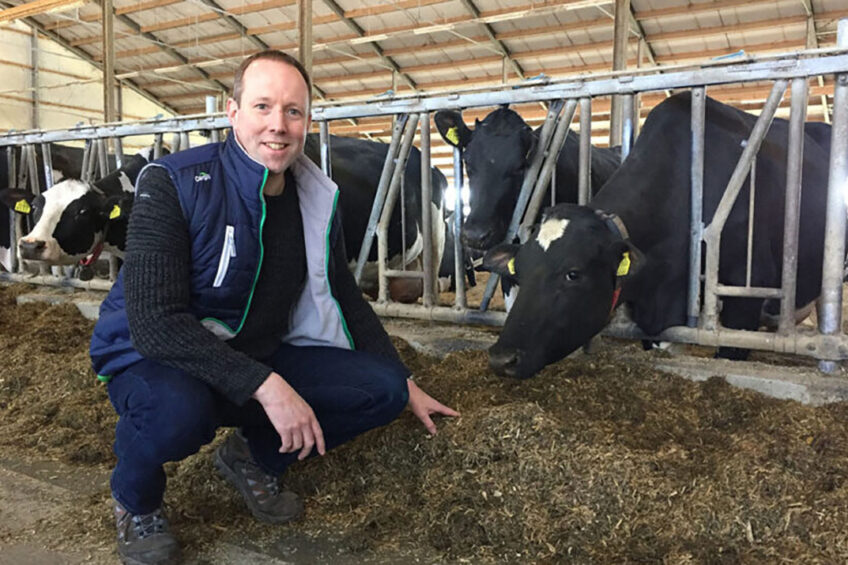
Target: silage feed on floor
column 599, row 459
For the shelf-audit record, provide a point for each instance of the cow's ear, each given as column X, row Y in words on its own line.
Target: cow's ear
column 118, row 208
column 17, row 199
column 629, row 259
column 501, row 260
column 452, row 129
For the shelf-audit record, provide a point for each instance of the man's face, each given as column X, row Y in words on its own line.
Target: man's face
column 272, row 120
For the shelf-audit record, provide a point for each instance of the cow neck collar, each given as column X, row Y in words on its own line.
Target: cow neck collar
column 614, row 224
column 617, row 227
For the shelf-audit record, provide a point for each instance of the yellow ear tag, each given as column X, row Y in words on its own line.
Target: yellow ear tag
column 22, row 206
column 624, row 266
column 115, row 213
column 511, row 266
column 453, row 135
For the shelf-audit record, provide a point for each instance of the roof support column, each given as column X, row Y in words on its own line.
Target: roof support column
column 621, row 29
column 304, row 34
column 34, row 78
column 108, row 62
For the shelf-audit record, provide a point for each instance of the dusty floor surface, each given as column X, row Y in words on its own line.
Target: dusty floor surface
column 600, row 459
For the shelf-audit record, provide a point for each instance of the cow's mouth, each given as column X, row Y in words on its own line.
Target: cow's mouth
column 92, row 257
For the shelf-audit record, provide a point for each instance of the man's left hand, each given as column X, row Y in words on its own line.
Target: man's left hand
column 423, row 405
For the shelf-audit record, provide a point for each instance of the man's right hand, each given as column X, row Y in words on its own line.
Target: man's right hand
column 291, row 416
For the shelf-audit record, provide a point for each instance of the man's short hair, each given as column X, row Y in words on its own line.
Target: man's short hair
column 270, row 55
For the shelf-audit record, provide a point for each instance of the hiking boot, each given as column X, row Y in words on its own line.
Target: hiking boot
column 260, row 490
column 144, row 539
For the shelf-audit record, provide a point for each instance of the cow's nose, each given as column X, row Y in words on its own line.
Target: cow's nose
column 478, row 237
column 504, row 362
column 31, row 249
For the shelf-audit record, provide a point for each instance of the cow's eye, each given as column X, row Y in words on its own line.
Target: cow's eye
column 572, row 275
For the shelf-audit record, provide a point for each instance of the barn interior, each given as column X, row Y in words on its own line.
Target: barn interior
column 614, row 455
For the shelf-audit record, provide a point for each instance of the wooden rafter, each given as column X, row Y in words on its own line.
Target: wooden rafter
column 37, row 7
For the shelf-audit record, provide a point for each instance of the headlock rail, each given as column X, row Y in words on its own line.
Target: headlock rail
column 564, row 97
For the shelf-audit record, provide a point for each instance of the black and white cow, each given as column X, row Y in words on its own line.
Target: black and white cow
column 75, row 220
column 497, row 153
column 578, row 259
column 356, row 167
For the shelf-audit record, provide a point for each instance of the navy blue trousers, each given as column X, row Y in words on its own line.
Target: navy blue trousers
column 167, row 415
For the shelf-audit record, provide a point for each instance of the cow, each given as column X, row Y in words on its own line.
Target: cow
column 631, row 243
column 75, row 220
column 497, row 153
column 356, row 167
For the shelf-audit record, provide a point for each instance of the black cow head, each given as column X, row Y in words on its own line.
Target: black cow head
column 569, row 269
column 496, row 154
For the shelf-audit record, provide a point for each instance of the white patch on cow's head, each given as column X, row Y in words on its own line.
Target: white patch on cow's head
column 57, row 175
column 147, row 153
column 56, row 201
column 550, row 231
column 126, row 185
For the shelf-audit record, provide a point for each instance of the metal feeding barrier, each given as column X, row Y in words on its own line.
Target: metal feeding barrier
column 564, row 97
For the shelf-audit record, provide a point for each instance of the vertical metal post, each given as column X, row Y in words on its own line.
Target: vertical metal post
column 386, row 175
column 13, row 223
column 36, row 97
column 712, row 234
column 184, row 141
column 102, row 158
column 429, row 296
column 830, row 320
column 696, row 205
column 388, row 206
column 792, row 208
column 211, row 108
column 119, row 152
column 584, row 178
column 324, row 135
column 108, row 45
column 175, row 142
column 627, row 129
column 47, row 160
column 621, row 29
column 460, row 299
column 157, row 145
column 32, row 165
column 752, row 198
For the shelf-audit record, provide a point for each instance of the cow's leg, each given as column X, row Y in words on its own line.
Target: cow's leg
column 739, row 314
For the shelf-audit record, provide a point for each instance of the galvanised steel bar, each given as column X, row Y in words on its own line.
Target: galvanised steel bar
column 527, row 184
column 752, row 193
column 184, row 141
column 47, row 160
column 712, row 234
column 211, row 108
column 791, row 215
column 460, row 300
column 439, row 313
column 830, row 319
column 429, row 296
column 324, row 136
column 51, row 280
column 784, row 66
column 563, row 127
column 32, row 166
column 388, row 206
column 632, row 80
column 749, row 291
column 119, row 152
column 13, row 224
column 696, row 206
column 806, row 343
column 380, row 196
column 103, row 159
column 628, row 131
column 157, row 145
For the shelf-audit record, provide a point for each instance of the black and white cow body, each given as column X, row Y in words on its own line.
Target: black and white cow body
column 74, row 220
column 356, row 167
column 575, row 259
column 497, row 153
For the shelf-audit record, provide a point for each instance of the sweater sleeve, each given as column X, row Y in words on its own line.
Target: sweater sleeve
column 365, row 327
column 157, row 290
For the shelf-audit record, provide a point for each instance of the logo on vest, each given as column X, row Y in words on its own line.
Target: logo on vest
column 202, row 177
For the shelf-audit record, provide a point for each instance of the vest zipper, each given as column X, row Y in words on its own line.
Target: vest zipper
column 227, row 253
